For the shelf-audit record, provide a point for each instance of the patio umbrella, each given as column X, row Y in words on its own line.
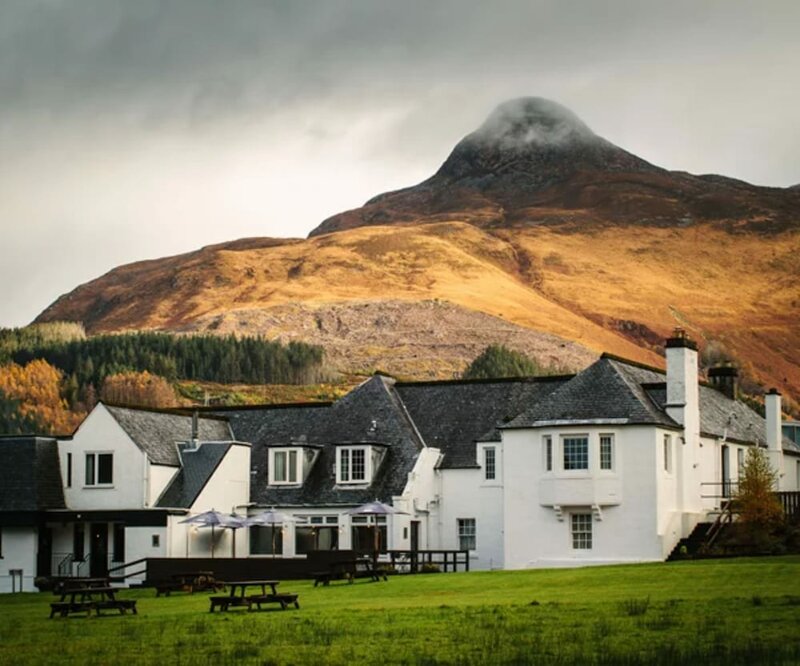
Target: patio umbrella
column 217, row 519
column 269, row 519
column 375, row 509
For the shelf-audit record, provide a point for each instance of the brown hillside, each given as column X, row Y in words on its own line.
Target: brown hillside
column 534, row 227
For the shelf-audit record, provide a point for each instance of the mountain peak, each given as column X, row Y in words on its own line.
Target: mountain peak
column 533, row 121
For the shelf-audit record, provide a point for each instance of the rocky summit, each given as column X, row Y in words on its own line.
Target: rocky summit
column 534, row 161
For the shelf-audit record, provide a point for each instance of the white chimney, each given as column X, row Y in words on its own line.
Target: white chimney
column 683, row 406
column 772, row 407
column 683, row 394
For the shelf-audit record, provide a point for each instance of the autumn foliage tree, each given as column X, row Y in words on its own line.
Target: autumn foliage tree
column 760, row 512
column 138, row 388
column 36, row 391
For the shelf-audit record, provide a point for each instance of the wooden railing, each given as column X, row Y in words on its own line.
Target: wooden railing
column 420, row 561
column 790, row 501
column 121, row 569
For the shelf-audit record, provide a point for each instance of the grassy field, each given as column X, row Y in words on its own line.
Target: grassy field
column 732, row 612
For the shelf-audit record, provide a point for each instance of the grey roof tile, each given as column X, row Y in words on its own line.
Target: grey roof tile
column 157, row 433
column 608, row 391
column 197, row 466
column 30, row 474
column 452, row 416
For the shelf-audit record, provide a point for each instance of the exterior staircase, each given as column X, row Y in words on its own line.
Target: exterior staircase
column 691, row 543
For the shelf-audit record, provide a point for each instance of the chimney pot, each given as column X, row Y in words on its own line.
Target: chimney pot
column 724, row 379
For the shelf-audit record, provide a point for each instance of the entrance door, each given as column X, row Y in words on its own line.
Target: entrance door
column 44, row 555
column 414, row 535
column 98, row 564
column 726, row 471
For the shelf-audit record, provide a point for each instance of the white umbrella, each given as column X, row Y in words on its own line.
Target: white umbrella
column 217, row 519
column 269, row 518
column 375, row 508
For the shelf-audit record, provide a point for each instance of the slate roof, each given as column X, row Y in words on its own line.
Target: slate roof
column 198, row 464
column 609, row 391
column 452, row 416
column 616, row 391
column 157, row 432
column 30, row 475
column 370, row 414
column 722, row 417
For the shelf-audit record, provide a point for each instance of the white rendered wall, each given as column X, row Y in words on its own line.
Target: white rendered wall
column 100, row 433
column 625, row 529
column 418, row 501
column 19, row 552
column 227, row 490
column 159, row 478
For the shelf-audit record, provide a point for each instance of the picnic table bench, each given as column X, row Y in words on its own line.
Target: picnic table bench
column 349, row 570
column 238, row 596
column 88, row 599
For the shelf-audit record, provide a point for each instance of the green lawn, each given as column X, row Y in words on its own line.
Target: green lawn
column 744, row 611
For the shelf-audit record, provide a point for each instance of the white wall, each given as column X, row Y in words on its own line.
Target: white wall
column 159, row 478
column 19, row 552
column 100, row 433
column 227, row 490
column 538, row 530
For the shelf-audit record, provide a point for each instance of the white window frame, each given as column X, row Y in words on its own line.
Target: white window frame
column 346, row 453
column 467, row 528
column 576, row 436
column 93, row 482
column 581, row 530
column 298, row 466
column 490, row 452
column 608, row 437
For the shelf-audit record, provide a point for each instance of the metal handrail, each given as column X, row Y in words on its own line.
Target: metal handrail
column 121, row 567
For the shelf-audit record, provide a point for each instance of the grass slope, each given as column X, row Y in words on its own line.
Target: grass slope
column 712, row 612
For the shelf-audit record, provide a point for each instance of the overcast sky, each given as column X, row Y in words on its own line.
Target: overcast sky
column 137, row 129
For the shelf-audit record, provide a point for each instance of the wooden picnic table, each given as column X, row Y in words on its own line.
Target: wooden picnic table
column 67, row 584
column 88, row 599
column 238, row 597
column 349, row 570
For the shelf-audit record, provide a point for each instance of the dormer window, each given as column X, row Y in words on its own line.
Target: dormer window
column 290, row 465
column 357, row 464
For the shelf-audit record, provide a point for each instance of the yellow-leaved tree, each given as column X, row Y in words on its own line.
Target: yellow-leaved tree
column 138, row 388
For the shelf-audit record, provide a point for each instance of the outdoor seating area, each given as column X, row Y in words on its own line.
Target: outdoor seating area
column 84, row 595
column 238, row 596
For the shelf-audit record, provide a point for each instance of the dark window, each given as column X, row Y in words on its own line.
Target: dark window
column 78, row 539
column 364, row 538
column 606, row 452
column 69, row 470
column 548, row 454
column 1, row 543
column 119, row 542
column 105, row 467
column 266, row 540
column 99, row 469
column 156, row 540
column 309, row 538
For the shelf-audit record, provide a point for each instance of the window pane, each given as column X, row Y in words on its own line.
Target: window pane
column 606, row 452
column 489, row 463
column 576, row 453
column 466, row 533
column 105, row 468
column 90, row 469
column 582, row 531
column 548, row 453
column 280, row 466
column 292, row 466
column 358, row 465
column 344, row 465
column 69, row 470
column 667, row 453
column 263, row 539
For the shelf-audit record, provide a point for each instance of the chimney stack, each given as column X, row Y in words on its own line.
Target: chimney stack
column 772, row 407
column 683, row 395
column 195, row 429
column 724, row 379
